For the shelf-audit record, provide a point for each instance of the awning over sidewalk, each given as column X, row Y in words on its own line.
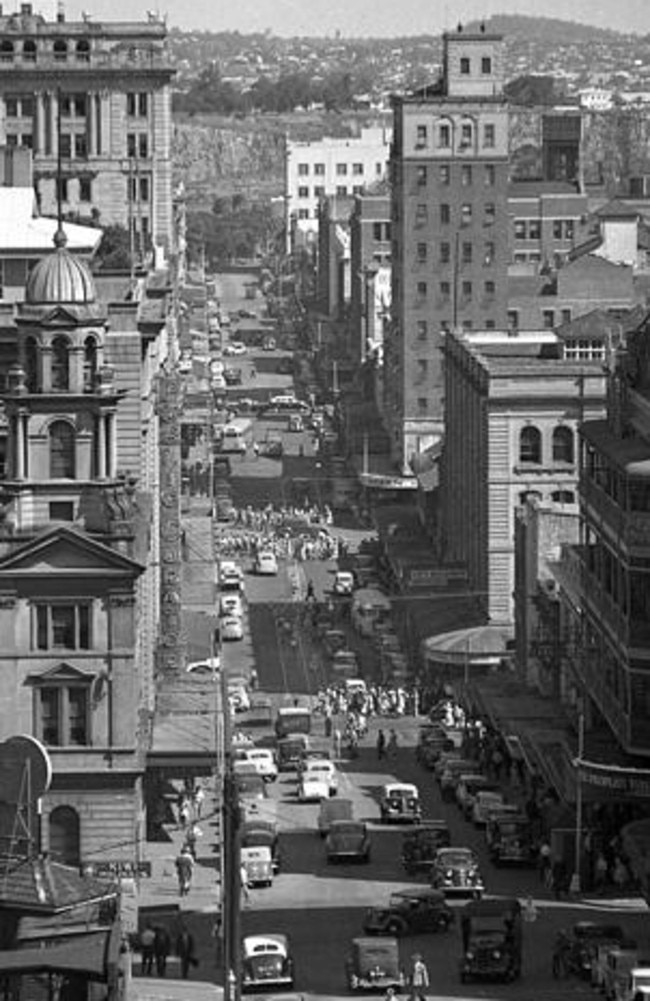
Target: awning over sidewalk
column 90, row 954
column 487, row 644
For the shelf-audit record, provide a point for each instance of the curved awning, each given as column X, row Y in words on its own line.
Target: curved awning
column 480, row 644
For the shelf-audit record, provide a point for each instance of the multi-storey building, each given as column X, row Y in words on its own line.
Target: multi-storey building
column 449, row 172
column 547, row 221
column 92, row 100
column 512, row 409
column 333, row 274
column 331, row 166
column 370, row 249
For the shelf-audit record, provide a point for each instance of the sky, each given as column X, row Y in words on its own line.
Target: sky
column 360, row 18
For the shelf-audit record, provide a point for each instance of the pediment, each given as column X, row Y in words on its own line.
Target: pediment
column 62, row 673
column 67, row 551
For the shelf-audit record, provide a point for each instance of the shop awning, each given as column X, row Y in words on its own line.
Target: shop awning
column 89, row 954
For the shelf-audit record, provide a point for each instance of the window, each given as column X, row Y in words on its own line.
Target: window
column 566, row 316
column 422, row 330
column 341, row 169
column 12, row 140
column 303, row 213
column 421, row 175
column 357, row 169
column 422, row 253
column 530, row 445
column 467, row 253
column 83, row 51
column 489, row 175
column 62, row 451
column 131, row 144
column 341, row 189
column 467, row 325
column 488, row 254
column 490, row 211
column 303, row 169
column 422, row 368
column 422, row 404
column 422, row 215
column 65, row 146
column 568, row 229
column 465, row 135
column 466, row 175
column 319, row 169
column 64, row 839
column 520, row 229
column 422, row 290
column 535, row 229
column 11, row 107
column 80, row 147
column 90, row 364
column 31, row 365
column 358, row 189
column 490, row 325
column 61, row 511
column 489, row 136
column 445, row 290
column 563, row 497
column 444, row 174
column 60, row 49
column 465, row 66
column 63, row 715
column 421, row 137
column 513, row 319
column 445, row 253
column 62, row 626
column 466, row 289
column 445, row 214
column 143, row 191
column 60, row 364
column 562, row 445
column 29, row 51
column 465, row 214
column 557, row 229
column 143, row 145
column 319, row 190
column 303, row 192
column 548, row 319
column 27, row 140
column 6, row 51
column 444, row 137
column 486, row 65
column 489, row 288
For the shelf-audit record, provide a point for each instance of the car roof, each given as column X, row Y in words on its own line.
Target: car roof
column 384, row 943
column 490, row 908
column 420, row 893
column 258, row 943
column 397, row 787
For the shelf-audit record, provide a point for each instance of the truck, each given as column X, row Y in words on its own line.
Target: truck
column 492, row 940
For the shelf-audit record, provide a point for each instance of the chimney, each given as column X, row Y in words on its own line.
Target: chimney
column 60, row 13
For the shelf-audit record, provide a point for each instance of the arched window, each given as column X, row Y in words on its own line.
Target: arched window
column 563, row 445
column 62, row 451
column 530, row 445
column 60, row 49
column 83, row 50
column 90, row 364
column 6, row 50
column 60, row 364
column 65, row 836
column 31, row 365
column 29, row 51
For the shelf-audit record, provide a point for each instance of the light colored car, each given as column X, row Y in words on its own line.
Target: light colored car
column 266, row 962
column 266, row 563
column 232, row 628
column 235, row 348
column 238, row 695
column 217, row 367
column 325, row 769
column 263, row 761
column 485, row 801
column 185, row 366
column 257, row 863
column 313, row 787
column 208, row 667
column 218, row 382
column 231, row 576
column 231, row 604
column 343, row 582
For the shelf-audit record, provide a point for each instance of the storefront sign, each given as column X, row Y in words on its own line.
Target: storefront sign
column 611, row 779
column 378, row 481
column 435, row 577
column 121, row 869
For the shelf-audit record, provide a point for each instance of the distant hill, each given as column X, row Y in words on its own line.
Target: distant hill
column 551, row 30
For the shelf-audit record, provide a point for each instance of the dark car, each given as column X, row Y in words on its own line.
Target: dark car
column 262, row 834
column 420, row 845
column 410, row 912
column 373, row 964
column 233, row 376
column 456, row 872
column 348, row 841
column 272, row 448
column 492, row 940
column 400, row 803
column 583, row 940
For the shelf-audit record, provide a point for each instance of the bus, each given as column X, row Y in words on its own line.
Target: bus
column 292, row 719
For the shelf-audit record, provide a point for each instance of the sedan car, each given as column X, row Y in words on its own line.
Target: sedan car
column 485, row 800
column 235, row 348
column 348, row 841
column 251, row 787
column 231, row 604
column 343, row 582
column 456, row 871
column 400, row 802
column 410, row 912
column 373, row 964
column 232, row 628
column 263, row 761
column 266, row 962
column 323, row 769
column 266, row 563
column 209, row 667
column 313, row 787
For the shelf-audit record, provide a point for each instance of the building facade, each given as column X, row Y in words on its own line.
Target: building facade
column 97, row 96
column 449, row 174
column 370, row 250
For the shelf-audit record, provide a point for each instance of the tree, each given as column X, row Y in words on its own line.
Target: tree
column 532, row 90
column 114, row 251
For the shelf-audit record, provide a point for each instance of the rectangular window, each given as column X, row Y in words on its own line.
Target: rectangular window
column 467, row 253
column 143, row 104
column 486, row 65
column 444, row 137
column 535, row 229
column 11, row 140
column 557, row 229
column 548, row 319
column 341, row 190
column 50, row 722
column 465, row 214
column 490, row 325
column 421, row 215
column 445, row 214
column 27, row 140
column 568, row 229
column 520, row 229
column 422, row 404
column 466, row 175
column 80, row 147
column 131, row 147
column 489, row 289
column 143, row 146
column 11, row 107
column 358, row 189
column 467, row 325
column 489, row 136
column 445, row 290
column 422, row 330
column 421, row 136
column 61, row 511
column 489, row 175
column 488, row 254
column 65, row 146
column 465, row 135
column 379, row 170
column 27, row 107
column 422, row 290
column 465, row 65
column 79, row 105
column 77, row 716
column 490, row 211
column 423, row 366
column 566, row 316
column 63, row 711
column 303, row 213
column 62, row 627
column 319, row 190
column 357, row 169
column 444, row 174
column 319, row 169
column 422, row 253
column 466, row 289
column 130, row 105
column 303, row 170
column 513, row 319
column 445, row 253
column 421, row 175
column 341, row 169
column 144, row 189
column 303, row 192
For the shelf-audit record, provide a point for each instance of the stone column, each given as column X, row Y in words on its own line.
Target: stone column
column 20, row 446
column 112, row 444
column 46, row 368
column 101, row 448
column 54, row 123
column 90, row 122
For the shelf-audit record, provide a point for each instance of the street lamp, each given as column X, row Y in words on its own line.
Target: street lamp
column 575, row 879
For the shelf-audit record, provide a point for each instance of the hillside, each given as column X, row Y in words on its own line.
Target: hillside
column 545, row 30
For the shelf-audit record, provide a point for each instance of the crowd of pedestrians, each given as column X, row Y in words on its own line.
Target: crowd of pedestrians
column 376, row 700
column 291, row 532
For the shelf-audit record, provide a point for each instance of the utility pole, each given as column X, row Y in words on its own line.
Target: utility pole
column 231, row 886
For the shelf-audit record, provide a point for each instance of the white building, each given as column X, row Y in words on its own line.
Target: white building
column 596, row 99
column 331, row 166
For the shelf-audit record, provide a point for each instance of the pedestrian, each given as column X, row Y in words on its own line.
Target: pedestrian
column 185, row 951
column 529, row 910
column 544, row 861
column 193, row 832
column 601, row 870
column 161, row 948
column 391, row 747
column 198, row 796
column 184, row 812
column 310, row 591
column 381, row 745
column 337, row 743
column 419, row 978
column 328, row 722
column 147, row 939
column 243, row 879
column 256, row 449
column 184, row 869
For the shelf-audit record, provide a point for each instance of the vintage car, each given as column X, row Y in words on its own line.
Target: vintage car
column 432, row 742
column 348, row 841
column 492, row 940
column 450, row 774
column 400, row 803
column 373, row 964
column 484, row 801
column 456, row 871
column 343, row 582
column 510, row 839
column 467, row 788
column 266, row 563
column 262, row 833
column 582, row 941
column 250, row 784
column 257, row 863
column 410, row 912
column 332, row 810
column 313, row 787
column 324, row 769
column 266, row 962
column 290, row 750
column 421, row 844
column 611, row 968
column 263, row 761
column 232, row 628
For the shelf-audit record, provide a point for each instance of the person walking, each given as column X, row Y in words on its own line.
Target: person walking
column 184, row 870
column 161, row 949
column 185, row 951
column 419, row 978
column 391, row 747
column 147, row 939
column 381, row 745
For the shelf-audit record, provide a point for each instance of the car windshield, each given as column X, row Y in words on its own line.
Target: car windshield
column 451, row 858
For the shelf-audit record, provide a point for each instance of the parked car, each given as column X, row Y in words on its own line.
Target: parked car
column 313, row 787
column 331, row 811
column 400, row 803
column 209, row 667
column 232, row 628
column 264, row 762
column 374, row 964
column 231, row 604
column 583, row 940
column 266, row 563
column 420, row 845
column 410, row 912
column 231, row 577
column 257, row 863
column 323, row 769
column 343, row 582
column 238, row 695
column 348, row 841
column 256, row 833
column 235, row 348
column 456, row 871
column 484, row 801
column 467, row 787
column 266, row 962
column 251, row 787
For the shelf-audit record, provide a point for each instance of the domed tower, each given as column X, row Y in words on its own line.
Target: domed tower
column 61, row 402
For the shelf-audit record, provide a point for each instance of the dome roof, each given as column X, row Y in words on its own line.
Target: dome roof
column 60, row 278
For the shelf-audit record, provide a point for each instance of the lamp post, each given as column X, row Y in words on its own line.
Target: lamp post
column 575, row 879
